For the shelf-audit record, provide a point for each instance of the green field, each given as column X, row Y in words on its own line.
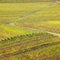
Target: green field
column 30, row 31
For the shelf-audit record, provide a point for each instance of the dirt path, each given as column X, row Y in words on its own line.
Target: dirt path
column 55, row 34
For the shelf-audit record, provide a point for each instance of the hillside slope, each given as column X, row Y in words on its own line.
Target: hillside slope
column 29, row 31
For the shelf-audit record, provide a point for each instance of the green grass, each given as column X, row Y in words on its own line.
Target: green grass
column 14, row 11
column 23, row 29
column 8, row 31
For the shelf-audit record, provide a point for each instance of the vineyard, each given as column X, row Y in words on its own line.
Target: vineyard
column 30, row 31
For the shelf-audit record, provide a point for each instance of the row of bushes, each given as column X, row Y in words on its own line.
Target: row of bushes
column 41, row 35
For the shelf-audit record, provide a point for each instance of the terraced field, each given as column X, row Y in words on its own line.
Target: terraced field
column 30, row 31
